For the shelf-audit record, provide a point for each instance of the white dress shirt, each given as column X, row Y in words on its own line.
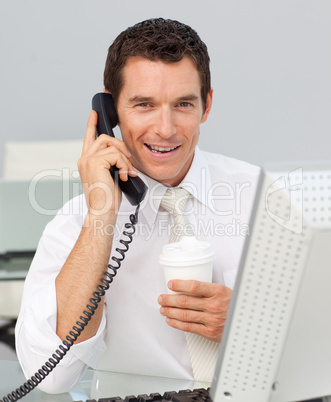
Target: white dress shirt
column 133, row 336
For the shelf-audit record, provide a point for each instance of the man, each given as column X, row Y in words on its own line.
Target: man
column 158, row 74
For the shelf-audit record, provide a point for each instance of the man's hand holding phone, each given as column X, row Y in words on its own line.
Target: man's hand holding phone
column 99, row 154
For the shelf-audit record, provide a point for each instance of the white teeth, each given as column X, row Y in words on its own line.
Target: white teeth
column 160, row 149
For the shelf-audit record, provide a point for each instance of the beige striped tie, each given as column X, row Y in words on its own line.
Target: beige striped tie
column 203, row 353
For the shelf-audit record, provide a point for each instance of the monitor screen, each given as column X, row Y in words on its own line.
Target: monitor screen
column 276, row 344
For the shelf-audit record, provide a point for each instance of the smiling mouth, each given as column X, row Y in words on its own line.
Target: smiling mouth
column 161, row 150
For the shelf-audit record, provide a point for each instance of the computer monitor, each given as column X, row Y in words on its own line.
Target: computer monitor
column 26, row 206
column 276, row 344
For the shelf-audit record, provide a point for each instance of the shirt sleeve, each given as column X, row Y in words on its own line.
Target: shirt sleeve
column 36, row 338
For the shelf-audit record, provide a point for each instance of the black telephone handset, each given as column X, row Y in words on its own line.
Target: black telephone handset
column 134, row 188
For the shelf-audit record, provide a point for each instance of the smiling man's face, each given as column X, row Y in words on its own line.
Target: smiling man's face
column 160, row 111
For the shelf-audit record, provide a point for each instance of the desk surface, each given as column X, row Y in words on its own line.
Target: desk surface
column 94, row 384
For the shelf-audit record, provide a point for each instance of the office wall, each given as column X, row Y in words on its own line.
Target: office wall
column 271, row 63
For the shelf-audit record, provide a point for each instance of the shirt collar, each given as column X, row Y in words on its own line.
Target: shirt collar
column 197, row 182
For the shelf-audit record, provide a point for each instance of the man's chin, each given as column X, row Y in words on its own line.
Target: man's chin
column 166, row 178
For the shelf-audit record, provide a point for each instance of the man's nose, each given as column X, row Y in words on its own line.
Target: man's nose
column 164, row 124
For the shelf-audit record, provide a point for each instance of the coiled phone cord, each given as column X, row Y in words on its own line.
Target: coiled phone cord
column 63, row 349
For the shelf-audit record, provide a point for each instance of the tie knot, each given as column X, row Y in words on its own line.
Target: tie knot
column 175, row 200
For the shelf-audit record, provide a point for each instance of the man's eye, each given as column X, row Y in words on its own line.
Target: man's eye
column 185, row 104
column 144, row 104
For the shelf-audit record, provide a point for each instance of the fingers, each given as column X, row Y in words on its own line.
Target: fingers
column 103, row 152
column 91, row 131
column 182, row 301
column 112, row 156
column 209, row 325
column 92, row 143
column 197, row 288
column 192, row 316
column 105, row 141
column 202, row 296
column 201, row 310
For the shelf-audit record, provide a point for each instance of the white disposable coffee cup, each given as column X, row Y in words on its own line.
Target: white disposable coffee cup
column 187, row 259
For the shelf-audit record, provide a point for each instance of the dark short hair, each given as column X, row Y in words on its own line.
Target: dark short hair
column 156, row 39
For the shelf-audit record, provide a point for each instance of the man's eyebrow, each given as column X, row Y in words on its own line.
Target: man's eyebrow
column 140, row 99
column 146, row 99
column 189, row 97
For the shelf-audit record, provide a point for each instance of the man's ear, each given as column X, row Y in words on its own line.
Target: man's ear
column 209, row 102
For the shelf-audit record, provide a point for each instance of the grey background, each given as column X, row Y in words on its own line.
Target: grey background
column 271, row 70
